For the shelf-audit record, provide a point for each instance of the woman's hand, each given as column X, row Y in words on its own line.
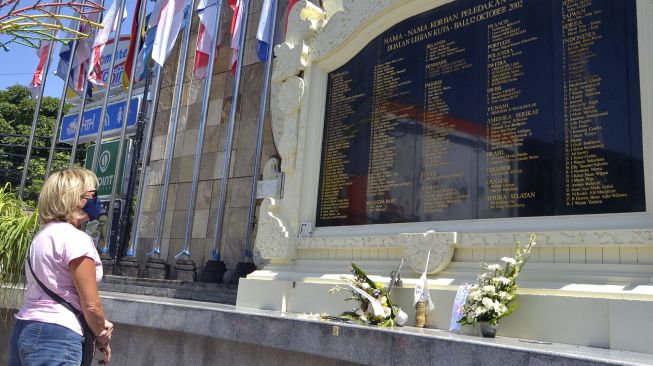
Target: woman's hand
column 106, row 352
column 105, row 336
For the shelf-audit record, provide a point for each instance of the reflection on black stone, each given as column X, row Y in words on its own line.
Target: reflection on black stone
column 483, row 109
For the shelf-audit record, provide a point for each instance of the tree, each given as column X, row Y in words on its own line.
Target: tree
column 16, row 114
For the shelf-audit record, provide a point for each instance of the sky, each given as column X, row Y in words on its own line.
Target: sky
column 18, row 65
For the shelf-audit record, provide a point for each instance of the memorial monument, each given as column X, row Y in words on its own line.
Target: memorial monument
column 459, row 127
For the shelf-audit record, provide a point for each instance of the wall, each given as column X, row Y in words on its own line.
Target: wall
column 242, row 155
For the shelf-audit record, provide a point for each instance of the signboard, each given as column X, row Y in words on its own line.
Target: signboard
column 487, row 109
column 105, row 62
column 91, row 121
column 98, row 229
column 106, row 166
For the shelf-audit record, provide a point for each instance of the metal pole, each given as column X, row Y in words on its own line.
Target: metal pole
column 251, row 216
column 35, row 119
column 133, row 244
column 80, row 114
column 172, row 128
column 200, row 134
column 62, row 103
column 107, row 89
column 80, row 121
column 217, row 240
column 123, row 130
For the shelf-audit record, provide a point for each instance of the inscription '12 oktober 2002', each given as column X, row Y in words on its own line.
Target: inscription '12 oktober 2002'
column 487, row 109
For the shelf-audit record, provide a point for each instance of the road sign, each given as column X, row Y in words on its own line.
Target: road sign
column 112, row 122
column 106, row 166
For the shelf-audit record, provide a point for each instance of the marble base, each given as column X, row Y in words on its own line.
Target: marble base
column 128, row 267
column 155, row 268
column 185, row 269
column 213, row 272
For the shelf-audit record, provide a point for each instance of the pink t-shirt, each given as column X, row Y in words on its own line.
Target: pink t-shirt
column 52, row 249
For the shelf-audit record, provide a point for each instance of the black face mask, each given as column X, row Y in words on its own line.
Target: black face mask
column 93, row 208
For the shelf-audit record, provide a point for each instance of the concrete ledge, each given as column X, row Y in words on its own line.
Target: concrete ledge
column 345, row 342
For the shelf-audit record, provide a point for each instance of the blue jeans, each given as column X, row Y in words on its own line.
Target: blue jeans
column 42, row 344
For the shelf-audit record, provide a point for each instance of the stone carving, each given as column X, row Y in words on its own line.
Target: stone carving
column 560, row 238
column 415, row 245
column 304, row 20
column 272, row 239
column 418, row 245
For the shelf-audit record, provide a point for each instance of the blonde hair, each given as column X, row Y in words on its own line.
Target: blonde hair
column 61, row 192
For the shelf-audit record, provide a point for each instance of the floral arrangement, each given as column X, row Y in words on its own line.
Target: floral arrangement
column 374, row 305
column 493, row 297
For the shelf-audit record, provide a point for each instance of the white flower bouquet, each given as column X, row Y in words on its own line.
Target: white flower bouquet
column 493, row 297
column 374, row 305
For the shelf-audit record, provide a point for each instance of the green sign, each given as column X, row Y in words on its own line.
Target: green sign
column 106, row 166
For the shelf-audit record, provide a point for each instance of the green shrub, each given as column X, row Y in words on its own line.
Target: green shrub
column 18, row 224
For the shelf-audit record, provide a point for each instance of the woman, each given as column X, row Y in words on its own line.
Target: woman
column 65, row 260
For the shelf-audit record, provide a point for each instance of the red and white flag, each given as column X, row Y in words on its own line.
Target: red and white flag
column 291, row 3
column 236, row 28
column 207, row 12
column 170, row 19
column 110, row 23
column 37, row 79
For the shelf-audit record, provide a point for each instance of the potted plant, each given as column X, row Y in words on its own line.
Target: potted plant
column 493, row 297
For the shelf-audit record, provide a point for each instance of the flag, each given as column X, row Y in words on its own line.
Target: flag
column 207, row 12
column 133, row 47
column 236, row 28
column 264, row 30
column 291, row 3
column 145, row 55
column 37, row 79
column 171, row 15
column 62, row 66
column 422, row 292
column 110, row 24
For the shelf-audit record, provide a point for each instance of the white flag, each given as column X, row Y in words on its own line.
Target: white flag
column 170, row 21
column 422, row 288
column 264, row 30
column 206, row 11
column 110, row 23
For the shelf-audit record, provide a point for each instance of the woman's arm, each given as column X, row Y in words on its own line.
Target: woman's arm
column 82, row 270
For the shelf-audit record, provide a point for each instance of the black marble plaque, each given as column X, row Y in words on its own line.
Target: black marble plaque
column 487, row 109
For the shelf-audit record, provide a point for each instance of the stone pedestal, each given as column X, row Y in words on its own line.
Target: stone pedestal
column 107, row 264
column 213, row 272
column 185, row 270
column 242, row 270
column 128, row 267
column 156, row 268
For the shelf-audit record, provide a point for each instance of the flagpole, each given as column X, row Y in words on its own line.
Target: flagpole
column 133, row 245
column 37, row 109
column 82, row 106
column 123, row 130
column 80, row 121
column 217, row 240
column 98, row 141
column 172, row 129
column 62, row 103
column 202, row 128
column 251, row 215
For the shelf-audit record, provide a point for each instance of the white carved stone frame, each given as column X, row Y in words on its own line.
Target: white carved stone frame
column 321, row 40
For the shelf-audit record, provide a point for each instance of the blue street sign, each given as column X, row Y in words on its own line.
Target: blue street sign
column 90, row 125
